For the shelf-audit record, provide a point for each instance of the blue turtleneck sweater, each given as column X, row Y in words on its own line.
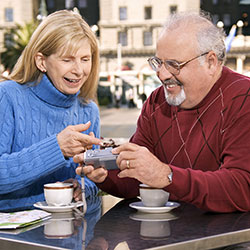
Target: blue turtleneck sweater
column 30, row 118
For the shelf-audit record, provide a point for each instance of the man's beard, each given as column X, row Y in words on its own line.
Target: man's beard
column 177, row 99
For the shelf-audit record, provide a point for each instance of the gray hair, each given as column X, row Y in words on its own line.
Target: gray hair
column 209, row 36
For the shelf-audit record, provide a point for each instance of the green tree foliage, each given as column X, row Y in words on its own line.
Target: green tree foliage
column 15, row 41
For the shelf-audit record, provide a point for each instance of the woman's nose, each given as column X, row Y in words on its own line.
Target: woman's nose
column 78, row 68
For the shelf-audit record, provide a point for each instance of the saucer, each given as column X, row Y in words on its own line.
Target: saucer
column 57, row 209
column 140, row 216
column 62, row 216
column 156, row 210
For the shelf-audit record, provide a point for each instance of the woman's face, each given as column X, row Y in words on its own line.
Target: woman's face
column 69, row 72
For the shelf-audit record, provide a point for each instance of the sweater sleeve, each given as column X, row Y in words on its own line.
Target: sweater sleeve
column 120, row 187
column 19, row 169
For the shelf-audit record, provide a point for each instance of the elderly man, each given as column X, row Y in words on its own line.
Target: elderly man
column 193, row 135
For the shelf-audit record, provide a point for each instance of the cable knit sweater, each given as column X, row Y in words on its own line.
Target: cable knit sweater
column 30, row 118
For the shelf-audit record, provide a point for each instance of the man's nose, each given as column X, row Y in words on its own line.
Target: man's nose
column 163, row 74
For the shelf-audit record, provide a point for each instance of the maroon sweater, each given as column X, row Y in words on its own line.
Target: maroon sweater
column 207, row 147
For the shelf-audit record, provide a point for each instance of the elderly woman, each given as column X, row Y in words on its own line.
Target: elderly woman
column 47, row 113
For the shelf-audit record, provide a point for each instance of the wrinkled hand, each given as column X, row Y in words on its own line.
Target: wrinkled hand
column 71, row 141
column 97, row 175
column 143, row 165
column 77, row 195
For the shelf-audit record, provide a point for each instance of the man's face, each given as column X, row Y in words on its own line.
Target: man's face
column 187, row 88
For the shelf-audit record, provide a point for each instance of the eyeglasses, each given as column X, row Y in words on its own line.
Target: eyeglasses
column 172, row 66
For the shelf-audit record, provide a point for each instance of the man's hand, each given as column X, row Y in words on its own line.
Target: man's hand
column 138, row 162
column 71, row 141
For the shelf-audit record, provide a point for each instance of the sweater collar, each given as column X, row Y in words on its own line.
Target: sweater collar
column 47, row 92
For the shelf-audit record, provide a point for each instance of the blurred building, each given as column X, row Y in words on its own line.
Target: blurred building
column 129, row 30
column 15, row 11
column 89, row 9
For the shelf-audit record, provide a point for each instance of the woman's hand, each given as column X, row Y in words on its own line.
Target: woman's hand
column 97, row 175
column 71, row 141
column 77, row 195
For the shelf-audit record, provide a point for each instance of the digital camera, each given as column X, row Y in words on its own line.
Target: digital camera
column 101, row 158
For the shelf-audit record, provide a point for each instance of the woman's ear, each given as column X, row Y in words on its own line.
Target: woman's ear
column 40, row 62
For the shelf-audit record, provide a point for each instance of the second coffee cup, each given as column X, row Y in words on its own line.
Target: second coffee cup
column 153, row 197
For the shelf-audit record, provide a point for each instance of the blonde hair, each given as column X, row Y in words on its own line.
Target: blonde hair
column 61, row 31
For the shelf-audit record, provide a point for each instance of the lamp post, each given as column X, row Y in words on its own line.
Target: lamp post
column 220, row 24
column 42, row 11
column 239, row 24
column 119, row 56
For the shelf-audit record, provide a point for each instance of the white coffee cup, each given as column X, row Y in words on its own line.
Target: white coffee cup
column 153, row 197
column 58, row 193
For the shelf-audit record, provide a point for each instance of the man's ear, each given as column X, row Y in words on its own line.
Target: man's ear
column 40, row 62
column 212, row 61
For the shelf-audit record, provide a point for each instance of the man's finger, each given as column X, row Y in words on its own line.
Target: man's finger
column 125, row 147
column 126, row 173
column 84, row 169
column 79, row 158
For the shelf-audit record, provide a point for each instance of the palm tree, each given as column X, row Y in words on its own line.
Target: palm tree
column 15, row 42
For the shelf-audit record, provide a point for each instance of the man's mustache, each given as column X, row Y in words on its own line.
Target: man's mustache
column 171, row 81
